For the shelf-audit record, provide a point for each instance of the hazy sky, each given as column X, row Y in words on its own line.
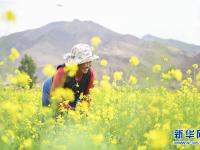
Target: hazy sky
column 177, row 19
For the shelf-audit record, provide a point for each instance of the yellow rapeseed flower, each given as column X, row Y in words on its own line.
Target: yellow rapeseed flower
column 177, row 74
column 105, row 84
column 9, row 16
column 189, row 71
column 143, row 147
column 71, row 69
column 21, row 79
column 156, row 68
column 14, row 54
column 114, row 84
column 95, row 41
column 5, row 139
column 158, row 139
column 61, row 94
column 113, row 141
column 166, row 76
column 96, row 82
column 132, row 80
column 186, row 82
column 134, row 61
column 117, row 76
column 26, row 144
column 153, row 110
column 106, row 77
column 166, row 127
column 172, row 74
column 195, row 66
column 8, row 136
column 98, row 139
column 49, row 70
column 104, row 62
column 84, row 106
column 189, row 80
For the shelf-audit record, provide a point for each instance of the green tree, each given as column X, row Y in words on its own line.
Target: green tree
column 28, row 66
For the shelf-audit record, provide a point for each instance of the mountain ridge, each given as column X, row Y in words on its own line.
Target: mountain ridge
column 48, row 43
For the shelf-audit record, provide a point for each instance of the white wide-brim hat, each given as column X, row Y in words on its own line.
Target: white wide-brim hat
column 80, row 53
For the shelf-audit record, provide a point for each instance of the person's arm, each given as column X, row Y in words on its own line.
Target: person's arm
column 91, row 82
column 58, row 79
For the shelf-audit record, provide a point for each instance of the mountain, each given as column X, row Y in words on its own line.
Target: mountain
column 47, row 45
column 189, row 49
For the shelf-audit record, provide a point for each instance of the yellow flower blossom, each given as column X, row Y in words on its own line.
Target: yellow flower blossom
column 104, row 62
column 95, row 41
column 172, row 74
column 114, row 84
column 143, row 147
column 21, row 79
column 113, row 141
column 14, row 54
column 156, row 68
column 71, row 69
column 26, row 144
column 189, row 80
column 117, row 76
column 84, row 106
column 166, row 76
column 9, row 16
column 5, row 139
column 166, row 126
column 178, row 116
column 158, row 139
column 8, row 136
column 186, row 82
column 105, row 77
column 61, row 94
column 75, row 116
column 132, row 80
column 134, row 61
column 177, row 74
column 118, row 109
column 153, row 110
column 105, row 85
column 96, row 82
column 195, row 66
column 189, row 71
column 49, row 70
column 98, row 139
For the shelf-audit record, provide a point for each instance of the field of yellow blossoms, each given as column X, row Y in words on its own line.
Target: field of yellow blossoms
column 121, row 114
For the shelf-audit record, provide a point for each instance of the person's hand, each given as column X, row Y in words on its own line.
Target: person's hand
column 66, row 106
column 69, row 107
